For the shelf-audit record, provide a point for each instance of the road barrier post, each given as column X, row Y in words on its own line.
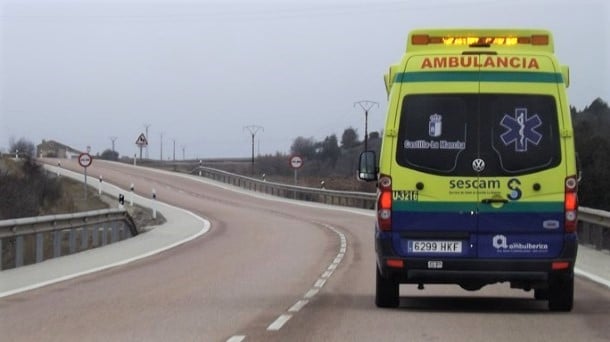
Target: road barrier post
column 154, row 204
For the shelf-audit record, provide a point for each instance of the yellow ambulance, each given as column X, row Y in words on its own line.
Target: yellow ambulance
column 477, row 179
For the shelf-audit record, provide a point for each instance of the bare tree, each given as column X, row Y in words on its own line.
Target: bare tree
column 22, row 147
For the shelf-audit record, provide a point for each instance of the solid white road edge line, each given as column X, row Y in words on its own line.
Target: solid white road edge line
column 592, row 277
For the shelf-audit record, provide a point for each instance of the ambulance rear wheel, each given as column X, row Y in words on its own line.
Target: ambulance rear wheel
column 386, row 291
column 561, row 292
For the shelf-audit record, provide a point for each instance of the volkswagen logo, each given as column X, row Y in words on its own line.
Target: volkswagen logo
column 478, row 165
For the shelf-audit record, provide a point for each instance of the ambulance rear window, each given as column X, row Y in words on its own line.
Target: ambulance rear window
column 445, row 133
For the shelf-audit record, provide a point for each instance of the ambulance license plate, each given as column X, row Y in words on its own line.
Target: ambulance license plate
column 426, row 246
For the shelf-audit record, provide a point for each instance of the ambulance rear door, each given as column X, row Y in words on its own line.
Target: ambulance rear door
column 520, row 149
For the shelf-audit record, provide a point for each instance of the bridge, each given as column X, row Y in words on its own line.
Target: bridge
column 240, row 260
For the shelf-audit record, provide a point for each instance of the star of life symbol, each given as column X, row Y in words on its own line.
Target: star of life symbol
column 521, row 129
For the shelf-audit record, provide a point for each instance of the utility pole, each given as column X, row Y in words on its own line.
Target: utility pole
column 253, row 129
column 183, row 152
column 113, row 139
column 174, row 149
column 161, row 153
column 146, row 125
column 366, row 105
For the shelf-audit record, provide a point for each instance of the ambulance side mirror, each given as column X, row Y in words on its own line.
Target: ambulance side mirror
column 367, row 166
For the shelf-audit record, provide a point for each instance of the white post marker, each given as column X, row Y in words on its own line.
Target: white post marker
column 154, row 205
column 99, row 189
column 131, row 187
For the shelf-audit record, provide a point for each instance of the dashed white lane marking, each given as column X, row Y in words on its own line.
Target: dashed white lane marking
column 298, row 306
column 279, row 323
column 312, row 292
column 327, row 274
column 236, row 338
column 320, row 283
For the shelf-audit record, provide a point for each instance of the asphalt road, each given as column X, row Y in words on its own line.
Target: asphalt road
column 270, row 270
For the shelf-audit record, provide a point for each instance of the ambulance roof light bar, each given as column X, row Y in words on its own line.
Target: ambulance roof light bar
column 425, row 39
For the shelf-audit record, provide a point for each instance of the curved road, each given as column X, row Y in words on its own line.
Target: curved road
column 271, row 270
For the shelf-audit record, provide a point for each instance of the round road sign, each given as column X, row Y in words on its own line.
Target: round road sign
column 296, row 162
column 85, row 160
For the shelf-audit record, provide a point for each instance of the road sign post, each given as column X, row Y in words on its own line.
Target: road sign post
column 85, row 160
column 296, row 162
column 142, row 142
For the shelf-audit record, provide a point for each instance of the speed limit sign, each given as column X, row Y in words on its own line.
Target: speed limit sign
column 85, row 160
column 296, row 162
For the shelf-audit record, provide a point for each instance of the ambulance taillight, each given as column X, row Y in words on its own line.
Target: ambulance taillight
column 571, row 204
column 384, row 203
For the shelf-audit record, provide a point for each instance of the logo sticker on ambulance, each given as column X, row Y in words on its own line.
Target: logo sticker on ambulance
column 435, row 128
column 521, row 129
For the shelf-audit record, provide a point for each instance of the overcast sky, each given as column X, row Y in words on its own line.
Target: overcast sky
column 83, row 71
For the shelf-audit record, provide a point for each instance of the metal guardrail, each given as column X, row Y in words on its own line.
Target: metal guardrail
column 32, row 240
column 593, row 227
column 345, row 198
